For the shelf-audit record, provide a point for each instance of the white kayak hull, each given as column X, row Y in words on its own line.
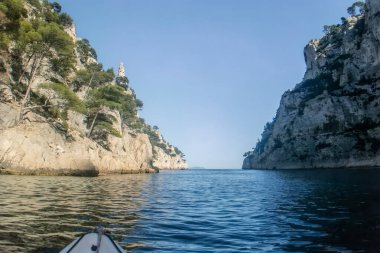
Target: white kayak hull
column 89, row 243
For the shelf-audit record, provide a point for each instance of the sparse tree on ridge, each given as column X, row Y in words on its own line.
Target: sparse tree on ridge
column 357, row 6
column 65, row 19
column 56, row 7
column 41, row 41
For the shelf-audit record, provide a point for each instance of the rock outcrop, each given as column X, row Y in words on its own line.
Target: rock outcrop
column 332, row 118
column 36, row 142
column 40, row 146
column 167, row 161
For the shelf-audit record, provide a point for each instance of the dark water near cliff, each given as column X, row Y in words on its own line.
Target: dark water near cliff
column 197, row 211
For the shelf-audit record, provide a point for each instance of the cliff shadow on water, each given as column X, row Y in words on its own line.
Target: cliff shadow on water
column 332, row 209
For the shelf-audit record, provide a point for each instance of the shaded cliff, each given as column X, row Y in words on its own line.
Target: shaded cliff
column 61, row 113
column 332, row 118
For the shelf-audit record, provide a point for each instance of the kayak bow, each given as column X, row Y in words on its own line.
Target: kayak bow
column 95, row 242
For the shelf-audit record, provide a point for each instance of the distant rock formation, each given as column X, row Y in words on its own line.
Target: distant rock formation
column 121, row 70
column 332, row 118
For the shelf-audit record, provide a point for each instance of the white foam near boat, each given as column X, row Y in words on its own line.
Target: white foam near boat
column 96, row 242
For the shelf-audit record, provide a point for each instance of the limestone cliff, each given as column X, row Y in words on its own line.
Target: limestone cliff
column 49, row 136
column 42, row 146
column 332, row 118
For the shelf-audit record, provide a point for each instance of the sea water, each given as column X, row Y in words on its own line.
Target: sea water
column 197, row 211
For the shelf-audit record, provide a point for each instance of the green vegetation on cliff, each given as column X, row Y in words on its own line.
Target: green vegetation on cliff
column 51, row 73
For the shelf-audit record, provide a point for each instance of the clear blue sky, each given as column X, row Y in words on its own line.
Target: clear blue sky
column 210, row 72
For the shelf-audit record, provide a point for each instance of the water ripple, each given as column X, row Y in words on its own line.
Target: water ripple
column 197, row 211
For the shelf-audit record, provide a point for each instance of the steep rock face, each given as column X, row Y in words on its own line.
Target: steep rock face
column 332, row 118
column 165, row 161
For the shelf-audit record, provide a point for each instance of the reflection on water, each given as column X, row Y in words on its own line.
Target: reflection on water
column 197, row 211
column 42, row 214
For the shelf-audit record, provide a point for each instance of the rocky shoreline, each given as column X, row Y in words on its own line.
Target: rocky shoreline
column 40, row 147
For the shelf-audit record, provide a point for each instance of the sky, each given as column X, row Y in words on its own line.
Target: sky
column 210, row 72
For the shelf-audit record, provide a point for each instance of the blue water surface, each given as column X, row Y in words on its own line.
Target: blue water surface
column 197, row 211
